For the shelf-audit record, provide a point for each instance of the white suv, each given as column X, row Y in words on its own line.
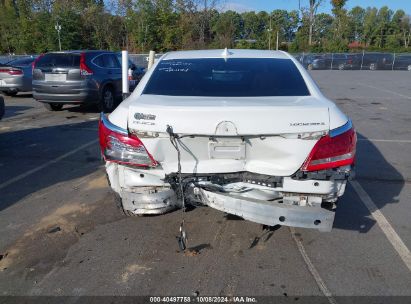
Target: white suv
column 247, row 132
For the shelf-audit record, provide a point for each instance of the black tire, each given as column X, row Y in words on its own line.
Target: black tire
column 2, row 107
column 310, row 67
column 53, row 106
column 10, row 93
column 409, row 68
column 373, row 66
column 341, row 67
column 107, row 100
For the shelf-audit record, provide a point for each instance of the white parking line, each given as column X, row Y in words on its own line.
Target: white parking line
column 26, row 127
column 385, row 226
column 385, row 90
column 320, row 282
column 45, row 165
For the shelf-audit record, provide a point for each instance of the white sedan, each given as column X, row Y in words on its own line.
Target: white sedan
column 247, row 132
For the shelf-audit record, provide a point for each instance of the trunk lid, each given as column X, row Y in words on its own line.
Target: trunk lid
column 249, row 115
column 256, row 134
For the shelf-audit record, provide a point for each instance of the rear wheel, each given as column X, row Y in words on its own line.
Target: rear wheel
column 341, row 66
column 53, row 106
column 373, row 66
column 107, row 101
column 310, row 67
column 409, row 68
column 11, row 93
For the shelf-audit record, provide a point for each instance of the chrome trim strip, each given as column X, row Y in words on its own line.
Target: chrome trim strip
column 111, row 126
column 342, row 129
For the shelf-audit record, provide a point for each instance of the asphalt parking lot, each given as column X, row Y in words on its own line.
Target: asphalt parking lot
column 62, row 235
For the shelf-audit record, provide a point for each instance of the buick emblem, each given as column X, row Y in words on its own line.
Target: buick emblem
column 143, row 116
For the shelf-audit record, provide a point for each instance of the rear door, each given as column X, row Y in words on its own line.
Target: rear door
column 112, row 69
column 337, row 60
column 58, row 73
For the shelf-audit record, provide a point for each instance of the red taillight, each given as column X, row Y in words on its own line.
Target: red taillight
column 33, row 65
column 12, row 71
column 331, row 152
column 84, row 69
column 16, row 72
column 120, row 147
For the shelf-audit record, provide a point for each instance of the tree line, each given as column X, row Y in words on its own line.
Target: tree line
column 28, row 26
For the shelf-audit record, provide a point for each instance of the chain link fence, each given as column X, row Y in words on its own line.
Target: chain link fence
column 333, row 61
column 311, row 61
column 355, row 61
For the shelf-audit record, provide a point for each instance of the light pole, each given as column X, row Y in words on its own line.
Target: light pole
column 58, row 29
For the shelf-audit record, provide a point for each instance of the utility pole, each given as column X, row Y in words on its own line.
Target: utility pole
column 58, row 29
column 277, row 42
column 269, row 34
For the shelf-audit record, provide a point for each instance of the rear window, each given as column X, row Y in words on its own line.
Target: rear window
column 233, row 77
column 22, row 61
column 59, row 60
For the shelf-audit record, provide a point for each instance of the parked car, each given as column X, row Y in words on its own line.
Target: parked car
column 246, row 132
column 377, row 61
column 2, row 107
column 307, row 60
column 402, row 62
column 353, row 62
column 16, row 76
column 77, row 77
column 322, row 62
column 137, row 72
column 336, row 62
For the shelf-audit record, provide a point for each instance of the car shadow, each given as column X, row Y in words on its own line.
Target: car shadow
column 27, row 156
column 24, row 95
column 11, row 111
column 83, row 109
column 371, row 166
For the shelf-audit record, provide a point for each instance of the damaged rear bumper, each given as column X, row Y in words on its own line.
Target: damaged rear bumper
column 149, row 202
column 286, row 201
column 271, row 212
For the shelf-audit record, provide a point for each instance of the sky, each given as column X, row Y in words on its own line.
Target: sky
column 270, row 5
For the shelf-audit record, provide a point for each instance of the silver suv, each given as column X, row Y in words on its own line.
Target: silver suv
column 77, row 77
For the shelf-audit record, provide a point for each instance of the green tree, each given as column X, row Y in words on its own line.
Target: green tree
column 226, row 29
column 382, row 26
column 340, row 26
column 370, row 21
column 356, row 18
